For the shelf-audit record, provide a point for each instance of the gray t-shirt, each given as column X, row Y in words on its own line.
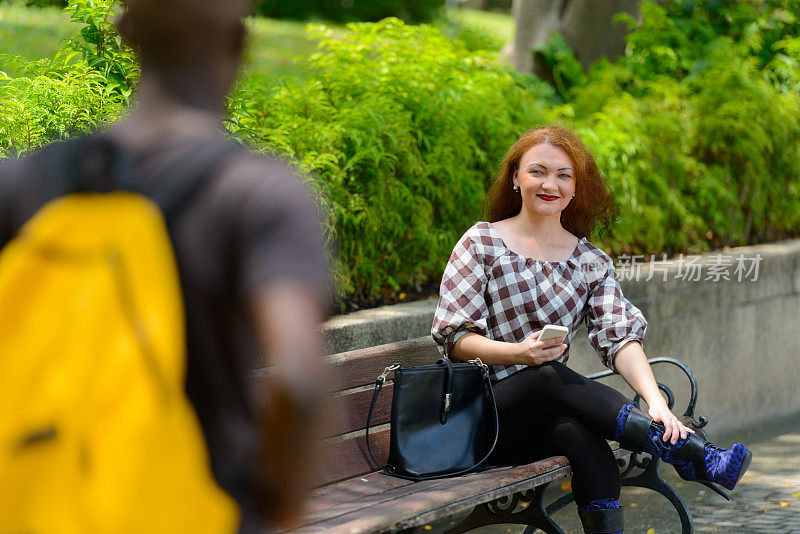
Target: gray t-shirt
column 250, row 223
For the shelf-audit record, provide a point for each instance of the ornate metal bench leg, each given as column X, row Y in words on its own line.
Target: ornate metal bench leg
column 651, row 478
column 541, row 514
column 507, row 510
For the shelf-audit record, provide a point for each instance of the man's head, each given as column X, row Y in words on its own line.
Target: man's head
column 192, row 46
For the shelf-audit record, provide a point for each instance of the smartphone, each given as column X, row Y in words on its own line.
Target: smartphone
column 553, row 330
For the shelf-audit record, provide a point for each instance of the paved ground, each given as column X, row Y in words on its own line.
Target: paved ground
column 767, row 499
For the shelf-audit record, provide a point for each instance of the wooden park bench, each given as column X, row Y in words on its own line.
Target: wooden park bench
column 353, row 496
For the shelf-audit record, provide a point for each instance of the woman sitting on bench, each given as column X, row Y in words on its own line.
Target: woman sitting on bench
column 531, row 265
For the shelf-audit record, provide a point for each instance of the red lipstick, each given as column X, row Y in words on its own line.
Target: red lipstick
column 549, row 198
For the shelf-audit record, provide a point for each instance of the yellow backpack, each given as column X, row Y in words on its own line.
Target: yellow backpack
column 96, row 432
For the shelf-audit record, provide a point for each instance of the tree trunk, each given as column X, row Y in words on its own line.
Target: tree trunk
column 585, row 24
column 587, row 27
column 535, row 19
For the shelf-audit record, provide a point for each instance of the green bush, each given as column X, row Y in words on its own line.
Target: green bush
column 351, row 10
column 101, row 47
column 46, row 102
column 403, row 127
column 86, row 85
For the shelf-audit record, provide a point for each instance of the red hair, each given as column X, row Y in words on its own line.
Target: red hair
column 593, row 203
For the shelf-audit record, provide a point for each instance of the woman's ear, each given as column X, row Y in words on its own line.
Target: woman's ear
column 515, row 178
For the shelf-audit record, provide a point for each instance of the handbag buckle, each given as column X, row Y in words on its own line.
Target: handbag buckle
column 479, row 363
column 385, row 373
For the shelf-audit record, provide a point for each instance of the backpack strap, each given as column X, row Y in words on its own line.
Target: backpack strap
column 92, row 163
column 96, row 163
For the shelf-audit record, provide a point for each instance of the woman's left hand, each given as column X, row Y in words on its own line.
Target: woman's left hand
column 674, row 428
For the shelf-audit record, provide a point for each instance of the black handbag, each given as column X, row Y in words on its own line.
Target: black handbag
column 443, row 420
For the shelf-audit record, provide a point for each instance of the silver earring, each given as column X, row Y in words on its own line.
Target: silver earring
column 573, row 195
column 516, row 189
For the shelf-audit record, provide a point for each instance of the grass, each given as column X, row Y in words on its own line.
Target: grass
column 497, row 24
column 273, row 45
column 273, row 50
column 33, row 33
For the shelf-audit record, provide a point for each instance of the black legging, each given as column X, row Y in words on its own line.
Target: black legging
column 551, row 410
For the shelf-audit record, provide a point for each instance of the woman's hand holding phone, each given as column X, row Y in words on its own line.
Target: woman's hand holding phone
column 536, row 351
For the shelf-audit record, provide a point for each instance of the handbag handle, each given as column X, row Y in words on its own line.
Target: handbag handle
column 379, row 384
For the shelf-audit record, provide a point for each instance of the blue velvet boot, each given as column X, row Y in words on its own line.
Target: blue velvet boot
column 693, row 458
column 602, row 516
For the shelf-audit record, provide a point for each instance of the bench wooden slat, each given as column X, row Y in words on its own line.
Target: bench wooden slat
column 418, row 504
column 356, row 368
column 350, row 411
column 348, row 458
column 361, row 367
column 327, row 512
column 352, row 489
column 405, row 503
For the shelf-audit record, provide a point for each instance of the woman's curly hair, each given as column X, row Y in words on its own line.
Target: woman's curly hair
column 593, row 203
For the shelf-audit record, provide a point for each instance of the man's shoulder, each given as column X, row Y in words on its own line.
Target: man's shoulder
column 248, row 178
column 22, row 192
column 22, row 181
column 255, row 170
column 13, row 169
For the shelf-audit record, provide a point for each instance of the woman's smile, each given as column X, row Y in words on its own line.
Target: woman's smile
column 548, row 198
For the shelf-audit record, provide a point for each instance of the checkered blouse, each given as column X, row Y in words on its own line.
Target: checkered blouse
column 489, row 289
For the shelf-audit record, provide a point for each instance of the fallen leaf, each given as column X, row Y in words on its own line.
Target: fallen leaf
column 651, row 531
column 428, row 527
column 634, row 505
column 784, row 503
column 566, row 486
column 796, row 494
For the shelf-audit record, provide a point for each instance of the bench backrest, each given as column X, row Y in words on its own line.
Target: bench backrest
column 352, row 378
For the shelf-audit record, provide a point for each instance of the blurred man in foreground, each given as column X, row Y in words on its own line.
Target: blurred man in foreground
column 248, row 248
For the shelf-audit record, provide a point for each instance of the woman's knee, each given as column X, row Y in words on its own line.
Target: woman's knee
column 576, row 440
